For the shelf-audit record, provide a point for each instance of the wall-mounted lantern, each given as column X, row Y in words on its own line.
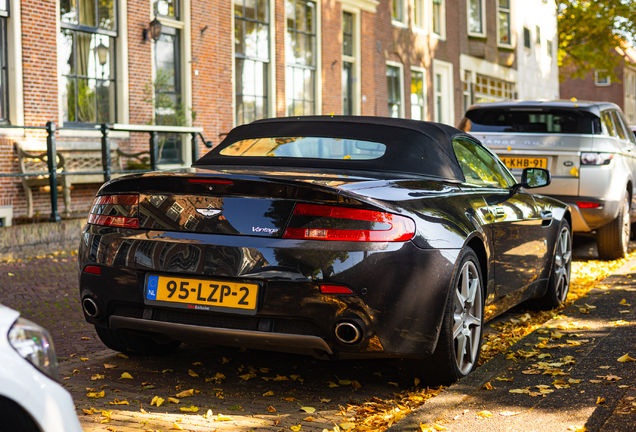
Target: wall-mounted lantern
column 153, row 31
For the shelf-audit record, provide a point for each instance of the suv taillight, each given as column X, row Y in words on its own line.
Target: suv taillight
column 116, row 211
column 323, row 222
column 596, row 158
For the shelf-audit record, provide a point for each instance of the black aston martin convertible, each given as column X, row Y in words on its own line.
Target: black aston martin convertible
column 339, row 237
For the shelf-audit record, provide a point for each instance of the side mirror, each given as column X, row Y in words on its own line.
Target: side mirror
column 535, row 177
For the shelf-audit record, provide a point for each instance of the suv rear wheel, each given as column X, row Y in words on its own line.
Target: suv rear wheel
column 613, row 239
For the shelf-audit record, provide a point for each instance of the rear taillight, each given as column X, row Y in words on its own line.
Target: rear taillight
column 116, row 211
column 587, row 205
column 322, row 222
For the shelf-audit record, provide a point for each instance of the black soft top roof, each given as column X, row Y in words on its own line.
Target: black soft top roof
column 414, row 147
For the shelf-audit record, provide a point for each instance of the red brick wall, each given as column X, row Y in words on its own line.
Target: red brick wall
column 331, row 57
column 586, row 89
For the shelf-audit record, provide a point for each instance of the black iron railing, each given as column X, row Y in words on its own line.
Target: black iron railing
column 105, row 129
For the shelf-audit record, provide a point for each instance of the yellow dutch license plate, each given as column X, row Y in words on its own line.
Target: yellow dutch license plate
column 524, row 162
column 202, row 294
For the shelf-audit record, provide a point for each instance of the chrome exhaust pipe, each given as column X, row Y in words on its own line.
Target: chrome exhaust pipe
column 90, row 307
column 348, row 333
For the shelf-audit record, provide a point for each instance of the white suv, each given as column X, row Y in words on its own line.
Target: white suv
column 587, row 146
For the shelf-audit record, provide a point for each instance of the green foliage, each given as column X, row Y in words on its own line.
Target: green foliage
column 590, row 31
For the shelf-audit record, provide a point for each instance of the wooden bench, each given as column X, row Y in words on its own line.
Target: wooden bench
column 72, row 157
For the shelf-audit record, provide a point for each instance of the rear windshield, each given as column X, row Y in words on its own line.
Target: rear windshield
column 306, row 147
column 530, row 120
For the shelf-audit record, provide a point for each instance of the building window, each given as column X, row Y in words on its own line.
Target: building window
column 476, row 18
column 439, row 97
column 394, row 90
column 601, row 78
column 538, row 31
column 4, row 76
column 418, row 14
column 89, row 29
column 347, row 63
column 503, row 9
column 300, row 55
column 439, row 17
column 526, row 37
column 467, row 90
column 397, row 10
column 252, row 58
column 166, row 8
column 548, row 47
column 489, row 89
column 418, row 95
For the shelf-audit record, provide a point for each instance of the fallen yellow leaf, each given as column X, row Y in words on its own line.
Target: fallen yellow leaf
column 509, row 413
column 356, row 385
column 600, row 400
column 309, row 410
column 191, row 408
column 208, row 414
column 347, row 426
column 295, row 428
column 488, row 386
column 97, row 377
column 416, row 381
column 118, row 402
column 126, row 375
column 95, row 395
column 271, row 409
column 484, row 414
column 280, row 378
column 222, row 417
column 623, row 301
column 84, row 359
column 290, row 399
column 185, row 393
column 393, row 383
column 192, row 373
column 122, row 356
column 197, row 364
column 625, row 358
column 332, row 384
column 177, row 426
column 173, row 400
column 269, row 393
column 577, row 428
column 109, row 366
column 157, row 401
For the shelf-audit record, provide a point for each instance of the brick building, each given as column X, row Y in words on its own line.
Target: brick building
column 597, row 86
column 217, row 64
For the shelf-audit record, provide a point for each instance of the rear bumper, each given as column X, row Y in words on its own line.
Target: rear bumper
column 588, row 219
column 399, row 290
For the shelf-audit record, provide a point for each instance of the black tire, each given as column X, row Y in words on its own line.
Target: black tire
column 15, row 418
column 559, row 281
column 446, row 365
column 126, row 340
column 613, row 239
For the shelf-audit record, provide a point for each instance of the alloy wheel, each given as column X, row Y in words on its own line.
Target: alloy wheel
column 467, row 318
column 626, row 228
column 562, row 259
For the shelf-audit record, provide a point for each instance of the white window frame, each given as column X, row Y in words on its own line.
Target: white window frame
column 422, row 28
column 184, row 25
column 405, row 14
column 424, row 90
column 448, row 114
column 271, row 70
column 509, row 11
column 121, row 48
column 600, row 83
column 523, row 38
column 483, row 19
column 442, row 33
column 400, row 66
column 356, row 106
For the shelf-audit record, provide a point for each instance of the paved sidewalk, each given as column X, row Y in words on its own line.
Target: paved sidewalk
column 563, row 377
